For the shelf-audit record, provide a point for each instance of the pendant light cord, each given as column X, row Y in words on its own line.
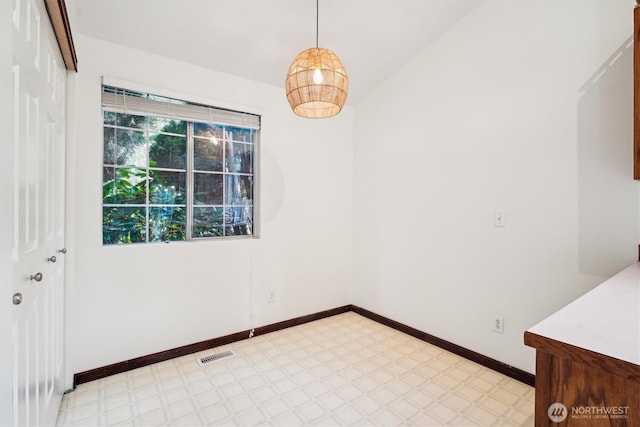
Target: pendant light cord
column 317, row 20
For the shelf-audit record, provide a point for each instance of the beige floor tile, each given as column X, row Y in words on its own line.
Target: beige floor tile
column 345, row 370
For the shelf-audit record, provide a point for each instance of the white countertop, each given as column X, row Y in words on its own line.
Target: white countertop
column 605, row 320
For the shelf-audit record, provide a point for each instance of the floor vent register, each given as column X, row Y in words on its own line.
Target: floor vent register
column 207, row 360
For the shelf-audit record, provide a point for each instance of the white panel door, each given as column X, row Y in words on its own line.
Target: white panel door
column 38, row 111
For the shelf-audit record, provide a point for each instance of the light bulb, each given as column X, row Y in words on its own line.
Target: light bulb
column 317, row 75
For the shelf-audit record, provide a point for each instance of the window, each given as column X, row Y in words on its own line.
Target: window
column 174, row 170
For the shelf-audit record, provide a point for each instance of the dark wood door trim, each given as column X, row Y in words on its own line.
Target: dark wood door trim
column 57, row 11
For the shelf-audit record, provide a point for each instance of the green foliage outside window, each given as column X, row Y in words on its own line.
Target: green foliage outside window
column 145, row 180
column 123, row 224
column 136, row 175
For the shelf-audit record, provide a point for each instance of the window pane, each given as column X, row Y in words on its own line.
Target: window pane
column 239, row 157
column 123, row 225
column 169, row 151
column 207, row 222
column 161, row 124
column 240, row 134
column 108, row 185
column 109, row 117
column 131, row 121
column 207, row 154
column 207, row 189
column 109, row 146
column 124, row 186
column 167, row 224
column 131, row 147
column 167, row 188
column 239, row 190
column 238, row 221
column 206, row 130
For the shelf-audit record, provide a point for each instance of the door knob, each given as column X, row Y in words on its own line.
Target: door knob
column 52, row 258
column 17, row 298
column 37, row 277
column 63, row 250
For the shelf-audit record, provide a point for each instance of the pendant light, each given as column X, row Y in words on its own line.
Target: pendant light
column 317, row 82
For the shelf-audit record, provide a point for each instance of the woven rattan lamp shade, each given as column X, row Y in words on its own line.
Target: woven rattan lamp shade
column 317, row 84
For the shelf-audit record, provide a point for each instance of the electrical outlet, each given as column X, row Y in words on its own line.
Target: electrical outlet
column 498, row 324
column 272, row 297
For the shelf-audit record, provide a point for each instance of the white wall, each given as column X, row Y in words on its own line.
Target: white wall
column 129, row 301
column 524, row 106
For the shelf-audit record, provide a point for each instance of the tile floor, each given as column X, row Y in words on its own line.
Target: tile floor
column 340, row 371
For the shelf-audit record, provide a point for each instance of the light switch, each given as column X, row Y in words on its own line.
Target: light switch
column 500, row 218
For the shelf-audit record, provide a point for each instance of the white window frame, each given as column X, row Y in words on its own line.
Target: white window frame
column 192, row 113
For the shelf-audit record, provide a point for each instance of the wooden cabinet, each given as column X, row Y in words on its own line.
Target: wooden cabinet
column 596, row 390
column 588, row 358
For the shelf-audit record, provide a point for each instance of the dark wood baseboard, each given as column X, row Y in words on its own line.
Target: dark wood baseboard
column 300, row 320
column 139, row 362
column 503, row 368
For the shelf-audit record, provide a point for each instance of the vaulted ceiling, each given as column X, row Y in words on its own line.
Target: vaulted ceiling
column 258, row 39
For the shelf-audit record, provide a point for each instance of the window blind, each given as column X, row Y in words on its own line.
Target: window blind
column 119, row 100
